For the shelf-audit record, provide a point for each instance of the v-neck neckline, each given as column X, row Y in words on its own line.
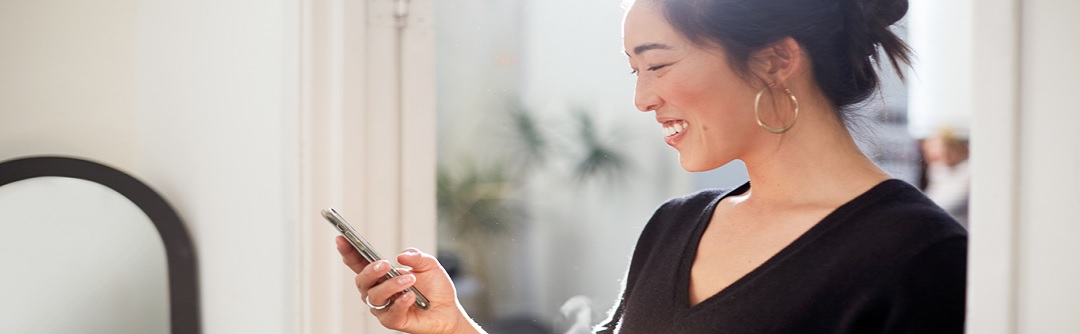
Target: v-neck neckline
column 834, row 218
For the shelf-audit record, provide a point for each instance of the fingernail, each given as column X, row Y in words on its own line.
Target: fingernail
column 407, row 297
column 379, row 266
column 405, row 279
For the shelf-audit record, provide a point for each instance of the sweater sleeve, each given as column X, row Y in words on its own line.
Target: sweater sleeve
column 607, row 326
column 642, row 249
column 929, row 296
column 645, row 244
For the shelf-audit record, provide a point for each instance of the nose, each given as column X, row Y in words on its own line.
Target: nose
column 644, row 97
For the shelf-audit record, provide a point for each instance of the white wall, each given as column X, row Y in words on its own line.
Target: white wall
column 195, row 98
column 1049, row 172
column 991, row 303
column 1026, row 169
column 67, row 83
column 216, row 113
column 247, row 116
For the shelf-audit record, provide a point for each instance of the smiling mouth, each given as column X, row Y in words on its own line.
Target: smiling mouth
column 673, row 128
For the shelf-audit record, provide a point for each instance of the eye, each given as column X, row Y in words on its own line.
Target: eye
column 651, row 69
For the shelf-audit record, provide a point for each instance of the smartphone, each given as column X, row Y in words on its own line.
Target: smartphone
column 367, row 251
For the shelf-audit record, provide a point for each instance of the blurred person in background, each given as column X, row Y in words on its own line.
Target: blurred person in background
column 948, row 180
column 820, row 240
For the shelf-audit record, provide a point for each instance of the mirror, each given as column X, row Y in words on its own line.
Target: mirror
column 89, row 249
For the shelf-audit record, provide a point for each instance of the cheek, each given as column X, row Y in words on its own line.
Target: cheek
column 719, row 109
column 688, row 93
column 710, row 89
column 712, row 97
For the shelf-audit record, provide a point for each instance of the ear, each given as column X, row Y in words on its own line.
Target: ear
column 777, row 63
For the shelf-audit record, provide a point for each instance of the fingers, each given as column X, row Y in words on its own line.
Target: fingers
column 417, row 260
column 349, row 255
column 371, row 281
column 391, row 288
column 371, row 275
column 398, row 310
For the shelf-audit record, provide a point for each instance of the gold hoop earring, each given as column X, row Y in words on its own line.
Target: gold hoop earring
column 757, row 113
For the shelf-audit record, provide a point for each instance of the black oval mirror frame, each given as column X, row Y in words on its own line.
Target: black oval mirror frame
column 179, row 253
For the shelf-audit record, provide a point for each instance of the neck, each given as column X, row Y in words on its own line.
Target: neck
column 816, row 163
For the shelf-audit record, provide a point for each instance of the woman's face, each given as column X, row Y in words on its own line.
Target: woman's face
column 705, row 108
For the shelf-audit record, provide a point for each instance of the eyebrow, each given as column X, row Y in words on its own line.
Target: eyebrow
column 649, row 46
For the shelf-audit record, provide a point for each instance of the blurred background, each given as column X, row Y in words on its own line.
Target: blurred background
column 500, row 135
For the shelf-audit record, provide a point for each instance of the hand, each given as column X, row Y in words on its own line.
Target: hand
column 445, row 314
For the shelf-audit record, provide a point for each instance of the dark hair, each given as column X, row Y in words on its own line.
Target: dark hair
column 840, row 36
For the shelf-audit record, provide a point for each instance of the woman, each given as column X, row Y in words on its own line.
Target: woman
column 823, row 242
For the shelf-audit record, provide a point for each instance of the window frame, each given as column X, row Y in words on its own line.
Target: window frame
column 355, row 151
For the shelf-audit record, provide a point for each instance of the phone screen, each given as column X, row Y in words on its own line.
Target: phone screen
column 367, row 251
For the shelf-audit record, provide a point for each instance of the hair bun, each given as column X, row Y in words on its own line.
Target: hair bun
column 884, row 12
column 868, row 27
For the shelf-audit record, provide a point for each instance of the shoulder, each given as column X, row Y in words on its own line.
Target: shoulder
column 678, row 217
column 679, row 211
column 885, row 229
column 893, row 226
column 696, row 201
column 901, row 210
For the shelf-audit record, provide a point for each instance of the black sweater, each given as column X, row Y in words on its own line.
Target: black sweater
column 889, row 261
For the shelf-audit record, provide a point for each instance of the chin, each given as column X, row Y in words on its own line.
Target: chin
column 696, row 165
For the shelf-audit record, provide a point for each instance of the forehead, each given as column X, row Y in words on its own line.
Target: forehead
column 645, row 23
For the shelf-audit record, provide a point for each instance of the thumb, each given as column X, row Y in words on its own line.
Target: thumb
column 417, row 260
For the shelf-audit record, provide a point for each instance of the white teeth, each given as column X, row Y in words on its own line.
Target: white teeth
column 675, row 128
